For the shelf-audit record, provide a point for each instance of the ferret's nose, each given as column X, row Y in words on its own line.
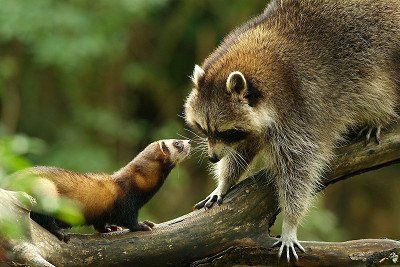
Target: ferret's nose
column 178, row 145
column 213, row 158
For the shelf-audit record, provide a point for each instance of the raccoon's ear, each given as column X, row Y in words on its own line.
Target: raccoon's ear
column 198, row 74
column 236, row 83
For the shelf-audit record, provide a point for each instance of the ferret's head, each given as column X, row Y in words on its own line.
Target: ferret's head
column 155, row 162
column 174, row 150
column 163, row 154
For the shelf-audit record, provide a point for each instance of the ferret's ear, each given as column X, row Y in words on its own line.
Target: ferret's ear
column 198, row 75
column 164, row 149
column 236, row 84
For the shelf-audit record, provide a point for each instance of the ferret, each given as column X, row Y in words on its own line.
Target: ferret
column 287, row 85
column 111, row 199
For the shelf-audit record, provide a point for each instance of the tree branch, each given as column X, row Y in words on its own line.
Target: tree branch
column 234, row 233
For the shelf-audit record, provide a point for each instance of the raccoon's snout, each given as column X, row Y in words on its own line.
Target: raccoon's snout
column 215, row 151
column 213, row 158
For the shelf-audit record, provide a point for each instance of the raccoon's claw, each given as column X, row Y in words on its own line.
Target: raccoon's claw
column 200, row 204
column 289, row 244
column 371, row 131
column 378, row 135
column 209, row 201
column 212, row 200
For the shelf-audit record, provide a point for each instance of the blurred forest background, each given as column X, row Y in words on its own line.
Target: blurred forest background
column 86, row 85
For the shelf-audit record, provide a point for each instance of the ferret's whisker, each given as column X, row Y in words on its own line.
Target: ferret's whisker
column 192, row 132
column 185, row 137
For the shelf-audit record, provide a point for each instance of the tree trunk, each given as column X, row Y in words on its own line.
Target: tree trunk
column 234, row 233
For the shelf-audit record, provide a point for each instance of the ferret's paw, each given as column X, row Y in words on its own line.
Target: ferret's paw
column 113, row 228
column 288, row 243
column 149, row 223
column 62, row 236
column 141, row 226
column 371, row 132
column 146, row 226
column 215, row 197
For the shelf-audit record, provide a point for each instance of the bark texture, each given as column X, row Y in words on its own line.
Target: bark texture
column 234, row 233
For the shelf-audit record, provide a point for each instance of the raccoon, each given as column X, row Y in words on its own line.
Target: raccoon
column 287, row 85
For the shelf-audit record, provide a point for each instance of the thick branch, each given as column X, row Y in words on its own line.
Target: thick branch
column 235, row 232
column 369, row 252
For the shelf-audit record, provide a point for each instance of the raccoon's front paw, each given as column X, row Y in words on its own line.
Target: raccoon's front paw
column 216, row 196
column 288, row 243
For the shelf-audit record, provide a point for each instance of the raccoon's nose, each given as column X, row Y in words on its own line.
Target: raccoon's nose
column 213, row 158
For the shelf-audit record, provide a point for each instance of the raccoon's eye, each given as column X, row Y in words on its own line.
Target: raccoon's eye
column 232, row 135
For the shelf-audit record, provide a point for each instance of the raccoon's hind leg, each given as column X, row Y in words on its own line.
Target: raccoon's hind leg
column 50, row 224
column 297, row 180
column 294, row 198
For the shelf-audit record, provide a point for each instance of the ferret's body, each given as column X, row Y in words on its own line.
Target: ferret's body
column 111, row 199
column 288, row 84
column 95, row 193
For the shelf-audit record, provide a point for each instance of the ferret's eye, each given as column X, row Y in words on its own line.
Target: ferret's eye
column 178, row 145
column 232, row 135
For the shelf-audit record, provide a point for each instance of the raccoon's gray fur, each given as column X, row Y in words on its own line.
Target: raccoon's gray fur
column 288, row 84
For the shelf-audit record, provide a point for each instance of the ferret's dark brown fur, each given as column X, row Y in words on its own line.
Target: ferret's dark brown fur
column 110, row 199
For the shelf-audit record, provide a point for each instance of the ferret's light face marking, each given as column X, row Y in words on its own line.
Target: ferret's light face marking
column 177, row 150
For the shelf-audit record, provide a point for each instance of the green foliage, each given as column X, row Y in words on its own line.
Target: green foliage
column 13, row 152
column 12, row 226
column 61, row 208
column 14, row 148
column 69, row 33
column 8, row 226
column 67, row 211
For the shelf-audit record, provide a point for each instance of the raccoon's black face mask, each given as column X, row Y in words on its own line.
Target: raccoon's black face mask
column 228, row 136
column 220, row 142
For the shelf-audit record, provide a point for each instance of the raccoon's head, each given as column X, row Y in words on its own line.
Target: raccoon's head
column 225, row 109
